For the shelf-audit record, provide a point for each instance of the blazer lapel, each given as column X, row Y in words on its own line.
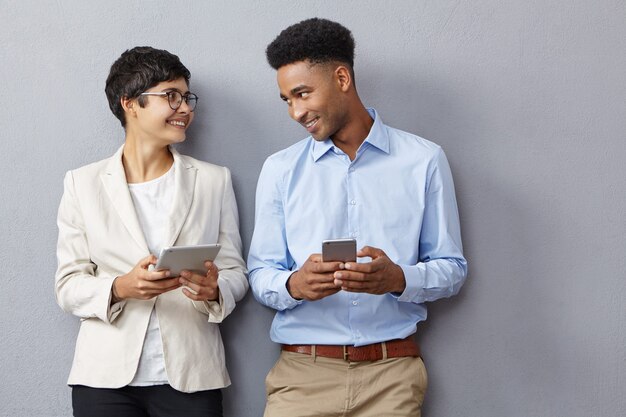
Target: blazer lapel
column 114, row 180
column 185, row 181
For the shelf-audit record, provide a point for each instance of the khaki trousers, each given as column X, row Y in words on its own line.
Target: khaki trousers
column 303, row 385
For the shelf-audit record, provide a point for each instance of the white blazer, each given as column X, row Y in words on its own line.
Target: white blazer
column 100, row 238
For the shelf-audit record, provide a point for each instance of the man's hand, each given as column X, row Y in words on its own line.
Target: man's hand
column 377, row 277
column 142, row 284
column 314, row 280
column 204, row 287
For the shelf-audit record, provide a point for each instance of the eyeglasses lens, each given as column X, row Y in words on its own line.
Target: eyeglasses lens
column 191, row 100
column 175, row 99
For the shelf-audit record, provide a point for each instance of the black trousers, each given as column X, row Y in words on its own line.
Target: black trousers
column 153, row 401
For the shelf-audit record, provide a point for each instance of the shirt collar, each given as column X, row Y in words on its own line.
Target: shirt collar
column 377, row 137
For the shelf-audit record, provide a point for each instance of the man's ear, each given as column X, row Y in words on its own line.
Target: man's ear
column 343, row 77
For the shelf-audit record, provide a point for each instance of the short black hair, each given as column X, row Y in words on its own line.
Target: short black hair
column 137, row 70
column 316, row 40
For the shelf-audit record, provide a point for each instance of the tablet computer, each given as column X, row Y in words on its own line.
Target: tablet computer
column 191, row 258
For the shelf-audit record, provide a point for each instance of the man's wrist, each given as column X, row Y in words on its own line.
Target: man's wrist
column 291, row 289
column 400, row 285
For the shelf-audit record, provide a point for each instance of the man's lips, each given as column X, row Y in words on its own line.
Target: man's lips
column 310, row 124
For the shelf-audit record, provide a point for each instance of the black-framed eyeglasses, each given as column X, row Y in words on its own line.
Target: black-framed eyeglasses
column 175, row 99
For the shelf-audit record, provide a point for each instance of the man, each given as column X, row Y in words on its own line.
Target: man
column 346, row 328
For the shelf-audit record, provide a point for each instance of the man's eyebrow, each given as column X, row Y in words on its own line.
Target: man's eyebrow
column 295, row 91
column 299, row 88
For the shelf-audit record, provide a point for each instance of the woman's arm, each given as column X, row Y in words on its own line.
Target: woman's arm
column 232, row 282
column 77, row 289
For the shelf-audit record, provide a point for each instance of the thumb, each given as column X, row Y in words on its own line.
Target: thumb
column 147, row 261
column 370, row 251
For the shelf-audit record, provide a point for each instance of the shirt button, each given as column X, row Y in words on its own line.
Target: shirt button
column 355, row 303
column 352, row 202
column 351, row 169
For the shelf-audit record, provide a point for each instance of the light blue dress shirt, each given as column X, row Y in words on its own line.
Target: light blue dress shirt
column 396, row 195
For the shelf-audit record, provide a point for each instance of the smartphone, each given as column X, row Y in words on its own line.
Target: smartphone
column 341, row 250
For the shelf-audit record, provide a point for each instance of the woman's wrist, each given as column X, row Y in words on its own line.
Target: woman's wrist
column 115, row 297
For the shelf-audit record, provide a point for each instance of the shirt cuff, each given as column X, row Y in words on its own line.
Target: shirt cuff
column 215, row 309
column 113, row 310
column 285, row 298
column 414, row 277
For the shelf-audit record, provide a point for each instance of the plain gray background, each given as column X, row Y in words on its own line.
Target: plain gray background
column 526, row 97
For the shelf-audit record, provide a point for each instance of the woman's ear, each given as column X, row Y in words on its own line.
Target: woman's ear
column 128, row 104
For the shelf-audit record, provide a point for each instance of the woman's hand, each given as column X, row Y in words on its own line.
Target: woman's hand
column 204, row 287
column 143, row 284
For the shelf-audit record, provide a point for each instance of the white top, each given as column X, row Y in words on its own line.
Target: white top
column 153, row 201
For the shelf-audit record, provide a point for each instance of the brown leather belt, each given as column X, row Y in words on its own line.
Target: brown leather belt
column 397, row 348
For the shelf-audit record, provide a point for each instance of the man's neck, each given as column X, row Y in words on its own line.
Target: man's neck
column 350, row 137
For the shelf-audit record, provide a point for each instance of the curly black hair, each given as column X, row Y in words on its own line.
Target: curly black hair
column 137, row 70
column 316, row 40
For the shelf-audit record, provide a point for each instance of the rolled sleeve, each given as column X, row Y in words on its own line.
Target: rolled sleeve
column 232, row 281
column 77, row 288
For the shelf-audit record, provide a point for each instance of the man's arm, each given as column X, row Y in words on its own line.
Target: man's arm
column 269, row 262
column 441, row 269
column 274, row 280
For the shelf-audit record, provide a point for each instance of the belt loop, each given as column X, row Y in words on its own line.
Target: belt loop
column 384, row 346
column 314, row 352
column 345, row 352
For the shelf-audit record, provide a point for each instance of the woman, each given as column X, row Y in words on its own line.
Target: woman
column 149, row 344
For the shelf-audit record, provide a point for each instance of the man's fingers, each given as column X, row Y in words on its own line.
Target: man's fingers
column 370, row 251
column 316, row 257
column 351, row 276
column 354, row 285
column 353, row 266
column 322, row 267
column 320, row 279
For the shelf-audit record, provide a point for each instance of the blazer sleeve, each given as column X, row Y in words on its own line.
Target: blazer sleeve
column 77, row 288
column 232, row 280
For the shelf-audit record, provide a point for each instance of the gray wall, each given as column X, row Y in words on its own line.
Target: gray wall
column 526, row 97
